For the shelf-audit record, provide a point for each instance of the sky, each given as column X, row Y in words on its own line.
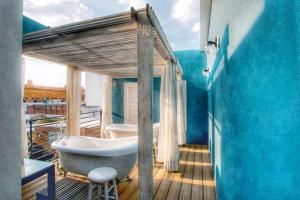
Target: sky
column 180, row 20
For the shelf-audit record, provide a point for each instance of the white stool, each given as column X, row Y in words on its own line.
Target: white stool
column 103, row 176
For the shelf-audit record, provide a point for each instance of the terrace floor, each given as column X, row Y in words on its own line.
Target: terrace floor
column 194, row 180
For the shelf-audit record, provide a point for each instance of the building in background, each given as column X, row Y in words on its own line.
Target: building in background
column 35, row 93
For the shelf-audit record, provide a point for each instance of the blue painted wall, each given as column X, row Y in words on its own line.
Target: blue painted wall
column 118, row 99
column 29, row 25
column 254, row 106
column 193, row 63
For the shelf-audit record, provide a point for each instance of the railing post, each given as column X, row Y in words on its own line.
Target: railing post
column 30, row 137
column 100, row 113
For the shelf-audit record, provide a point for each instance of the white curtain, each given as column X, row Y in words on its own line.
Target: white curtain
column 168, row 151
column 23, row 134
column 181, row 110
column 107, row 106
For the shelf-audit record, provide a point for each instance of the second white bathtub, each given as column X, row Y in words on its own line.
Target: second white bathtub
column 128, row 130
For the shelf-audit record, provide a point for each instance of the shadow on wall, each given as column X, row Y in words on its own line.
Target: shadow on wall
column 216, row 110
column 254, row 108
column 193, row 64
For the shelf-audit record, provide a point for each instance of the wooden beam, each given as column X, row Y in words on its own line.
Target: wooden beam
column 73, row 100
column 145, row 129
column 157, row 27
column 105, row 35
column 101, row 22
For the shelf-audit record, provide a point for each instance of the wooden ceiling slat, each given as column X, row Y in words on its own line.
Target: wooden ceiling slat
column 58, row 39
column 103, row 44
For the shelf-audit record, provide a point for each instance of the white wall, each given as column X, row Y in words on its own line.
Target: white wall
column 93, row 89
column 205, row 8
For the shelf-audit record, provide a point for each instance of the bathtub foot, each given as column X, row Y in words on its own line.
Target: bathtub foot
column 126, row 179
column 62, row 171
column 65, row 173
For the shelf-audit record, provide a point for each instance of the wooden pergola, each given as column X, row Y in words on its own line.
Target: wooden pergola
column 129, row 44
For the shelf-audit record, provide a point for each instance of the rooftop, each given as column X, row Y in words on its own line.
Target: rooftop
column 107, row 45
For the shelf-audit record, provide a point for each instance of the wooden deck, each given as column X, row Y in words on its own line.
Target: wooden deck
column 194, row 179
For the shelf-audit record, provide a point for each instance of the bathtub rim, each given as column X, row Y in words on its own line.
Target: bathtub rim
column 125, row 130
column 126, row 149
column 116, row 127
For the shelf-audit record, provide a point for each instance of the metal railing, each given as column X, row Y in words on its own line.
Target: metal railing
column 42, row 131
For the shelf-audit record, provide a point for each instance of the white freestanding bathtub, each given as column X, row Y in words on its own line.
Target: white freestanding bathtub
column 128, row 130
column 79, row 154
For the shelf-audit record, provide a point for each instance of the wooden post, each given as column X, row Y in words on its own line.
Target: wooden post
column 145, row 130
column 73, row 100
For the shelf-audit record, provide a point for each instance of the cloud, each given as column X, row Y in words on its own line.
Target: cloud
column 134, row 3
column 186, row 10
column 196, row 27
column 57, row 12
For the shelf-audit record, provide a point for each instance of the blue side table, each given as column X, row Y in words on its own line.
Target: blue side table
column 35, row 169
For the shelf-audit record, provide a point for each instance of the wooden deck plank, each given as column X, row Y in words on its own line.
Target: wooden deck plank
column 174, row 190
column 197, row 188
column 33, row 184
column 158, row 175
column 131, row 191
column 164, row 187
column 208, row 180
column 29, row 190
column 194, row 180
column 158, row 178
column 187, row 180
column 124, row 183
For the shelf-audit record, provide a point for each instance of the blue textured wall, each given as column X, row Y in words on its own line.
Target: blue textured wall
column 118, row 99
column 193, row 63
column 254, row 106
column 29, row 25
